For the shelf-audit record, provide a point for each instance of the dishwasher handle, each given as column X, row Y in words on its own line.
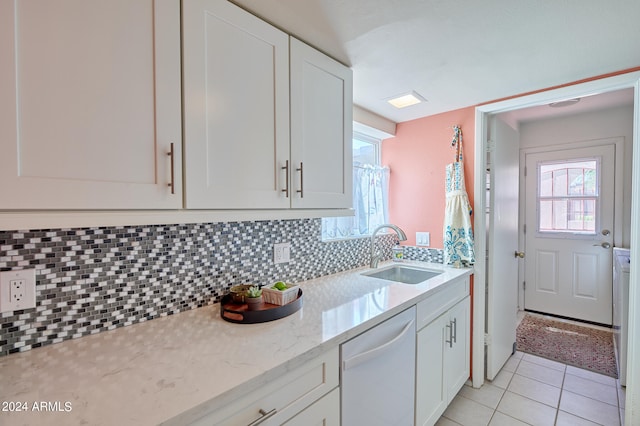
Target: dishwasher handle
column 372, row 353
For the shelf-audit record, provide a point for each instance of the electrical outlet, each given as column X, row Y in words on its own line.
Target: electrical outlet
column 281, row 253
column 423, row 239
column 17, row 290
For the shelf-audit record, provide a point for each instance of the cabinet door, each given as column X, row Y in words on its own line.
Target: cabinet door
column 321, row 130
column 89, row 104
column 431, row 398
column 236, row 108
column 457, row 353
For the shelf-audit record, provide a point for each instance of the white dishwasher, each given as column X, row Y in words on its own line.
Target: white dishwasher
column 378, row 374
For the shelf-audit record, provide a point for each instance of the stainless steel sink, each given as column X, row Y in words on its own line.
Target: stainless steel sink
column 403, row 274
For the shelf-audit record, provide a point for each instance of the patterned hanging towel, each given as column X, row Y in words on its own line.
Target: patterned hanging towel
column 458, row 234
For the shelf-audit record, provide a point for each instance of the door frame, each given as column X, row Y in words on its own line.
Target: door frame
column 618, row 189
column 618, row 82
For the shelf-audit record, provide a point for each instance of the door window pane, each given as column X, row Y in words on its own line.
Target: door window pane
column 568, row 196
column 576, row 187
column 559, row 182
column 546, row 215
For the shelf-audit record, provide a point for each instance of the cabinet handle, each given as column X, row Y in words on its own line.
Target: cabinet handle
column 301, row 190
column 286, row 178
column 172, row 183
column 265, row 416
column 455, row 330
column 450, row 341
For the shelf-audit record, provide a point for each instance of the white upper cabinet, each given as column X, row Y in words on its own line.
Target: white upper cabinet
column 94, row 97
column 90, row 104
column 239, row 112
column 236, row 101
column 321, row 130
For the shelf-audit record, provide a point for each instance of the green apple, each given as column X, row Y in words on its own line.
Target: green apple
column 280, row 286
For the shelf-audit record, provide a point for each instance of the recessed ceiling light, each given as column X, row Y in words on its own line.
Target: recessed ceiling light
column 566, row 103
column 406, row 99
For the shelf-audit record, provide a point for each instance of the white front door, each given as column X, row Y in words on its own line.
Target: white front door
column 502, row 277
column 569, row 232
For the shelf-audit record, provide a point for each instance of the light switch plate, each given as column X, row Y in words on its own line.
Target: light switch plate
column 17, row 290
column 281, row 252
column 423, row 239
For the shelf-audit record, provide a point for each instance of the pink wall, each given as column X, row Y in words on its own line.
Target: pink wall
column 417, row 156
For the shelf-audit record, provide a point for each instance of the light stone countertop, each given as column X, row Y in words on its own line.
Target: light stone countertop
column 192, row 362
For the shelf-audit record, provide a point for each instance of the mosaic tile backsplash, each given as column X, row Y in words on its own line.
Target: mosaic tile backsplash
column 90, row 280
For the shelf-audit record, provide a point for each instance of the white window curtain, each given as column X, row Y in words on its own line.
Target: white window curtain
column 371, row 204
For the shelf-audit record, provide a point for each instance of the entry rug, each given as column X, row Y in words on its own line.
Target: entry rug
column 582, row 347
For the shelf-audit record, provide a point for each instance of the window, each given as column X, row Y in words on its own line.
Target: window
column 370, row 193
column 568, row 196
column 366, row 150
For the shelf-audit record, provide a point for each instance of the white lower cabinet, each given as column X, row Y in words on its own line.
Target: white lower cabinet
column 431, row 400
column 442, row 350
column 457, row 349
column 307, row 395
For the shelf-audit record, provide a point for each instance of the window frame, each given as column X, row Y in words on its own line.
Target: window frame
column 377, row 143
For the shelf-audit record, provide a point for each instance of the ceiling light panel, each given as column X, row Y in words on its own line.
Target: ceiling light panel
column 406, row 99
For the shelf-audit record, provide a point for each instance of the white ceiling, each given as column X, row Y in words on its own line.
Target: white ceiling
column 458, row 53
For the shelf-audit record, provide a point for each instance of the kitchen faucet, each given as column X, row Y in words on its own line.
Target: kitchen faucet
column 375, row 258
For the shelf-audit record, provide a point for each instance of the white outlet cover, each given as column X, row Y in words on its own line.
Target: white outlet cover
column 27, row 293
column 281, row 252
column 423, row 239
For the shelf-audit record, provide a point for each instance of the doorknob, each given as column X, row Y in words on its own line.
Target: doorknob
column 605, row 232
column 519, row 254
column 605, row 245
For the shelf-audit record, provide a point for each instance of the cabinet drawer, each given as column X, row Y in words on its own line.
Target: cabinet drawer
column 324, row 412
column 434, row 305
column 287, row 395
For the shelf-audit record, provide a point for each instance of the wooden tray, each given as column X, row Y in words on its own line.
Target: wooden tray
column 238, row 312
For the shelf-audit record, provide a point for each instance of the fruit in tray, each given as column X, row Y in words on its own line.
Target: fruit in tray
column 280, row 293
column 279, row 286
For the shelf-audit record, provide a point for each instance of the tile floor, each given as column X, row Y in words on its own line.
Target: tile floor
column 530, row 390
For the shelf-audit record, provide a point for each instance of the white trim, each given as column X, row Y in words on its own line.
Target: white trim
column 480, row 239
column 604, row 85
column 632, row 403
column 11, row 221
